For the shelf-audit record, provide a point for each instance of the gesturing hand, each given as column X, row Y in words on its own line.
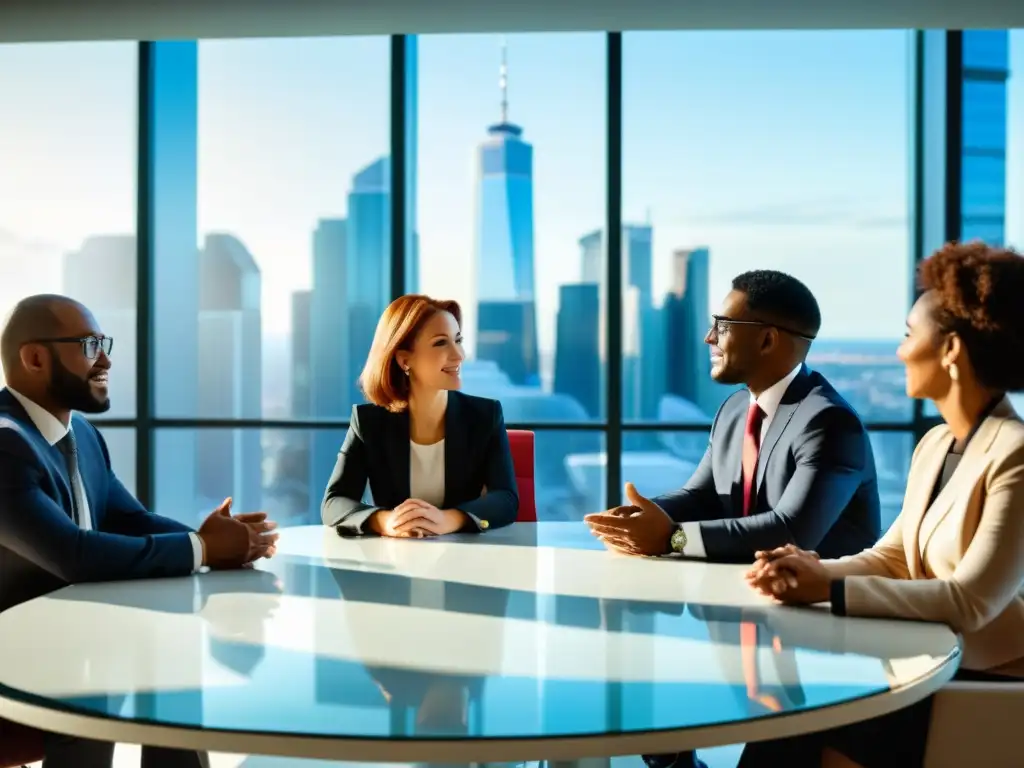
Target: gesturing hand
column 232, row 542
column 257, row 521
column 414, row 514
column 790, row 575
column 643, row 528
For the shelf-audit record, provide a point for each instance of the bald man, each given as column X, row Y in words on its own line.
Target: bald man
column 64, row 515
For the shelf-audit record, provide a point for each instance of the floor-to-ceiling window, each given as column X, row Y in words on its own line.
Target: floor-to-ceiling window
column 510, row 201
column 753, row 150
column 67, row 197
column 246, row 189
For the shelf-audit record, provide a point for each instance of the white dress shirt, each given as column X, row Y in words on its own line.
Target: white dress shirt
column 769, row 401
column 53, row 431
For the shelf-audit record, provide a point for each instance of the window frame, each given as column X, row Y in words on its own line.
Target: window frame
column 936, row 95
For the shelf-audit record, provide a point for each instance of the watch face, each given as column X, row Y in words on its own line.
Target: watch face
column 679, row 540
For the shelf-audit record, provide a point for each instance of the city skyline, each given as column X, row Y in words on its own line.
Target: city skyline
column 255, row 140
column 281, row 170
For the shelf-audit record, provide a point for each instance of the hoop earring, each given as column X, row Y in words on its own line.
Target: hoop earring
column 954, row 372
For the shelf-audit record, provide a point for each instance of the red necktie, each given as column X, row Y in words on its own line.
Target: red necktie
column 751, row 447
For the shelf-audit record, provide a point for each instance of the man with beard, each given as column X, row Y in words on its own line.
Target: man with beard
column 64, row 515
column 788, row 462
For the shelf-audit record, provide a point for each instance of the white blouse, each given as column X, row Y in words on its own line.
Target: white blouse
column 426, row 472
column 426, row 483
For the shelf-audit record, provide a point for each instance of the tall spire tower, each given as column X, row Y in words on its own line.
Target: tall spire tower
column 506, row 313
column 503, row 81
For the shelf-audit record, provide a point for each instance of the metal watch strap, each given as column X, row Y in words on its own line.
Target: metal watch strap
column 678, row 540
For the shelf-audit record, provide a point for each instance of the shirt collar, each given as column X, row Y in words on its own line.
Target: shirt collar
column 50, row 427
column 771, row 398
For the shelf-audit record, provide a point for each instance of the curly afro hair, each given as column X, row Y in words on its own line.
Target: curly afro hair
column 980, row 297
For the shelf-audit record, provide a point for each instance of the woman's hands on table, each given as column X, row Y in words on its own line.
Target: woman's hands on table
column 790, row 575
column 414, row 518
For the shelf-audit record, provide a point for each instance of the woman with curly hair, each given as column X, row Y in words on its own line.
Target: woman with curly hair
column 955, row 554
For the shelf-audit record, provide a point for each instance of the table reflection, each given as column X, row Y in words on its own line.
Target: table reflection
column 359, row 643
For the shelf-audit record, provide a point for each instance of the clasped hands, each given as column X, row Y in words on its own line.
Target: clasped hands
column 416, row 519
column 790, row 575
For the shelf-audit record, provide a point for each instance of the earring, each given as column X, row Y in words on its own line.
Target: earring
column 406, row 371
column 954, row 372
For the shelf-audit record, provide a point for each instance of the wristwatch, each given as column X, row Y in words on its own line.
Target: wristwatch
column 678, row 540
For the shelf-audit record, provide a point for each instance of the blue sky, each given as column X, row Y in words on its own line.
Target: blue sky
column 784, row 149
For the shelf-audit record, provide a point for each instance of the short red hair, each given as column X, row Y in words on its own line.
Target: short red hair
column 383, row 381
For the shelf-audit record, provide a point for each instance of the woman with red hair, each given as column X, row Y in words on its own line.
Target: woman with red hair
column 436, row 461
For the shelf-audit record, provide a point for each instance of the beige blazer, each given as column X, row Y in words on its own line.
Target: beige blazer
column 959, row 561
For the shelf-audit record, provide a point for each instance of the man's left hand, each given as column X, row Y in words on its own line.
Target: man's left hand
column 258, row 521
column 643, row 528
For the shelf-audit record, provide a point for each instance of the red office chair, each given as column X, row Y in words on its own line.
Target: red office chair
column 521, row 443
column 19, row 745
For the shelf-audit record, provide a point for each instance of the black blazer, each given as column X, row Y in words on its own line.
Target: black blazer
column 815, row 480
column 376, row 450
column 41, row 547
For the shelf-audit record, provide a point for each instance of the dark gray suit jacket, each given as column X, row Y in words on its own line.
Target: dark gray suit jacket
column 815, row 481
column 376, row 451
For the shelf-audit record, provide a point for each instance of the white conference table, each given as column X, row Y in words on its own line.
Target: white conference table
column 529, row 642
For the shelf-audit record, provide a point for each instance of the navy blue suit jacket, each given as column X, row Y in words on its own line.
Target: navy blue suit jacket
column 41, row 547
column 815, row 480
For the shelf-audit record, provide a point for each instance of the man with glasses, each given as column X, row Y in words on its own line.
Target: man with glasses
column 64, row 515
column 788, row 462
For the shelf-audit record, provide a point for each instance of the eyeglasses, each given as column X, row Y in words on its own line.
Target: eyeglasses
column 91, row 345
column 720, row 325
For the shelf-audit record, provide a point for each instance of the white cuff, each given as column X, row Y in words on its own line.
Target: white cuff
column 694, row 541
column 197, row 552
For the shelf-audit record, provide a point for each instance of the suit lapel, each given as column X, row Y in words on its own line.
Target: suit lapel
column 54, row 458
column 58, row 468
column 972, row 463
column 456, row 446
column 398, row 454
column 916, row 503
column 795, row 393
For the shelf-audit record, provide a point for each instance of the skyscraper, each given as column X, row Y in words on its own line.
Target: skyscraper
column 983, row 156
column 329, row 385
column 102, row 275
column 351, row 288
column 506, row 321
column 290, row 476
column 592, row 257
column 687, row 319
column 643, row 367
column 578, row 346
column 229, row 461
column 637, row 259
column 367, row 268
column 328, row 325
column 301, row 406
